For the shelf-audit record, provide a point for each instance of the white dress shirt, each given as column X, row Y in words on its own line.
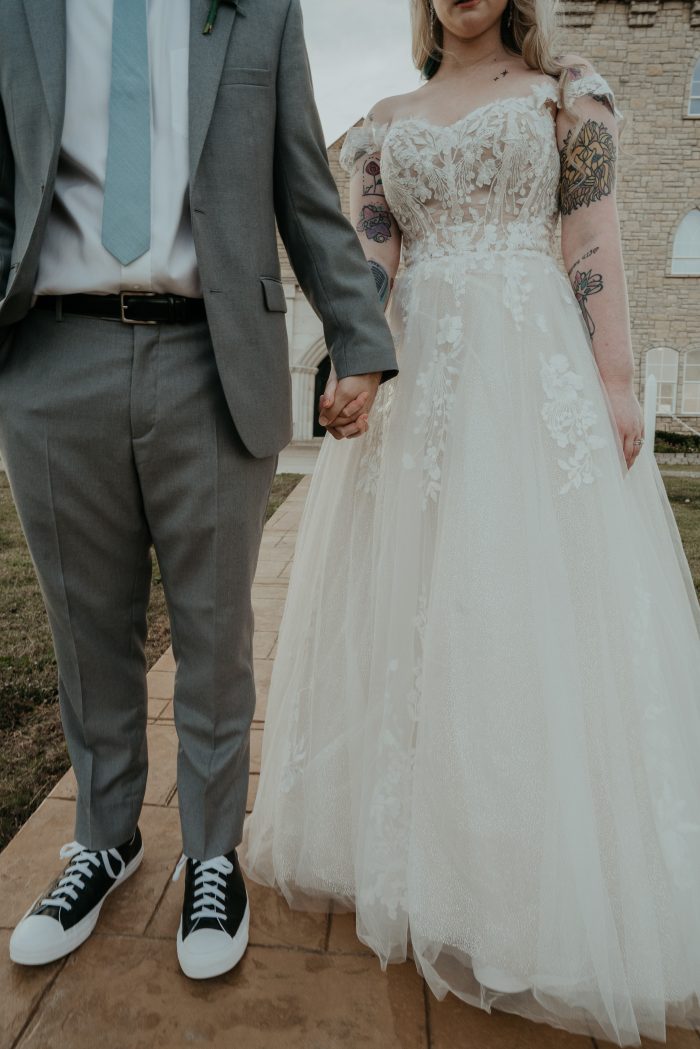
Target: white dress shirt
column 72, row 256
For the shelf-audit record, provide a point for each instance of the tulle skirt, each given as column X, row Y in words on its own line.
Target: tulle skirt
column 483, row 729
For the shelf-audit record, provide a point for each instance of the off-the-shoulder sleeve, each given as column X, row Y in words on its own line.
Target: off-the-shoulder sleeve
column 361, row 141
column 592, row 84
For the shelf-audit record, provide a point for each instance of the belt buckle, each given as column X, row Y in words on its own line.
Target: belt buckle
column 124, row 307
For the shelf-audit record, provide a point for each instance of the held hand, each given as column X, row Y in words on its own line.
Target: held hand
column 629, row 420
column 345, row 405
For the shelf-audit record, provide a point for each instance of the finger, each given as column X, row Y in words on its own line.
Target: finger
column 328, row 395
column 352, row 430
column 363, row 427
column 329, row 415
column 629, row 449
column 352, row 410
column 346, row 417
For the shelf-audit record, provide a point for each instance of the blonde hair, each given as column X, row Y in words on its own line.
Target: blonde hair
column 530, row 32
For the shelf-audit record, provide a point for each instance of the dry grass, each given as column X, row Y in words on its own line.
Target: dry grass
column 32, row 751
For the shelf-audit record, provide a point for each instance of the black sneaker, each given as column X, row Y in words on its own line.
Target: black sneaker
column 213, row 933
column 64, row 916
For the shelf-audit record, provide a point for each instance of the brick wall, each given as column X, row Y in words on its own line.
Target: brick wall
column 647, row 50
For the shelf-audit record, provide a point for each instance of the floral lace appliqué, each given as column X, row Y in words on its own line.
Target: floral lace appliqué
column 570, row 418
column 437, row 384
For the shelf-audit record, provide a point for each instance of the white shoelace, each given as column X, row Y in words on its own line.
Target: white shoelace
column 75, row 875
column 209, row 883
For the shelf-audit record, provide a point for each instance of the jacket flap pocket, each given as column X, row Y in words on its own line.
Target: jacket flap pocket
column 275, row 299
column 254, row 77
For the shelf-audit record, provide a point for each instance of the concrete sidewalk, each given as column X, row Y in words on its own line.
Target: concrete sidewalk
column 305, row 983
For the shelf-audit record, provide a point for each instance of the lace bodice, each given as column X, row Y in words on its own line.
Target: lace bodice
column 487, row 182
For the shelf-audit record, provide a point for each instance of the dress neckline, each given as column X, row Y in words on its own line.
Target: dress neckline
column 548, row 92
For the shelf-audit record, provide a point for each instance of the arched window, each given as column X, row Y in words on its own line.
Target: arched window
column 694, row 104
column 691, row 384
column 686, row 245
column 662, row 363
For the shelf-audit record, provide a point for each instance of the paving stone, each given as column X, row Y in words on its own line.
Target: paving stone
column 161, row 684
column 453, row 1023
column 268, row 614
column 676, row 1038
column 269, row 591
column 263, row 673
column 132, row 993
column 166, row 661
column 66, row 788
column 162, row 762
column 31, row 861
column 252, row 791
column 263, row 643
column 21, row 988
column 156, row 708
column 256, row 736
column 343, row 936
column 130, row 908
column 273, row 573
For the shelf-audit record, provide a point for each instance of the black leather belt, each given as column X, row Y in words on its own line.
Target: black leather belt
column 130, row 307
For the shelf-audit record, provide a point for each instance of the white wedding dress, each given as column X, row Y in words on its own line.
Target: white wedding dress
column 483, row 729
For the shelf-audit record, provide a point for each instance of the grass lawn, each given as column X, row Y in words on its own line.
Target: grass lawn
column 684, row 493
column 32, row 752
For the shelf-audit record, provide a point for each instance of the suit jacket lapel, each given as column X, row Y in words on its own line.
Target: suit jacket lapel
column 47, row 26
column 207, row 54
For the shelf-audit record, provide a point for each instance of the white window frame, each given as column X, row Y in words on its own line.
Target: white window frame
column 663, row 377
column 694, row 99
column 691, row 358
column 686, row 265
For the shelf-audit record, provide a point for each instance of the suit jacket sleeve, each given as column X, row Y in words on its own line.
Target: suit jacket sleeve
column 322, row 246
column 7, row 209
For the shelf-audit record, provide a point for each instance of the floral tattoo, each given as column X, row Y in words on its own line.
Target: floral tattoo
column 372, row 178
column 587, row 167
column 586, row 283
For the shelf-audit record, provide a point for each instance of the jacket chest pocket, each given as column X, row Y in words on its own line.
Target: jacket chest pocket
column 273, row 292
column 240, row 77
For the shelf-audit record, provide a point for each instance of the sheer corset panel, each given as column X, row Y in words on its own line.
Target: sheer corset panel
column 484, row 184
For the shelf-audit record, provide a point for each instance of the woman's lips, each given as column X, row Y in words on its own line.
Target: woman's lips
column 466, row 3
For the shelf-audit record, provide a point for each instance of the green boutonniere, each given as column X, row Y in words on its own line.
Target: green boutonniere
column 213, row 12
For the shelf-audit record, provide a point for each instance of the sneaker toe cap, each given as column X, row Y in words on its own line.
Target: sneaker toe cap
column 37, row 938
column 202, row 943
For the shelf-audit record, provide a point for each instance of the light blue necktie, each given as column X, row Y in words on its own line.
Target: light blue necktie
column 126, row 218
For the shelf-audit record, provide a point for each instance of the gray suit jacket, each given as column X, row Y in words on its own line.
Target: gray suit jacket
column 256, row 153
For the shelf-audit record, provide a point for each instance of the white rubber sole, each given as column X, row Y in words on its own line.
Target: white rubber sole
column 497, row 980
column 73, row 938
column 202, row 966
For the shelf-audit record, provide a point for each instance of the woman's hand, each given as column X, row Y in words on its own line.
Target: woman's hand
column 355, row 427
column 628, row 419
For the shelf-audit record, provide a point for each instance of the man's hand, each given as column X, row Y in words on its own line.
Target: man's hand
column 346, row 403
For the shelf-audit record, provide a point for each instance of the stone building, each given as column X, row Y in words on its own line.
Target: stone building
column 649, row 50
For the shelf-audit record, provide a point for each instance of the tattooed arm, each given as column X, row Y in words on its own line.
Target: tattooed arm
column 592, row 251
column 377, row 229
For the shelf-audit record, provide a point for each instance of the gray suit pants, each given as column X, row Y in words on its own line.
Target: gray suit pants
column 115, row 438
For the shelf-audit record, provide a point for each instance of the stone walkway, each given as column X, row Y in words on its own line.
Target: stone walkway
column 305, row 983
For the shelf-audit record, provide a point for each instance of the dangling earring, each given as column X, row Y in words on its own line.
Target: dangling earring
column 510, row 14
column 432, row 19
